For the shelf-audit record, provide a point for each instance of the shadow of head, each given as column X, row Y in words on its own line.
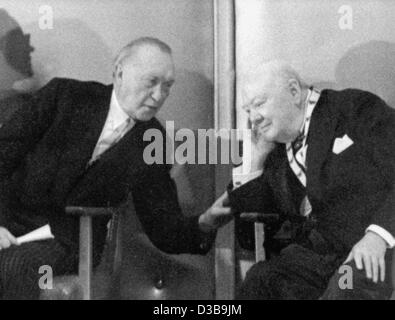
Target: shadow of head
column 70, row 49
column 369, row 66
column 15, row 45
column 190, row 107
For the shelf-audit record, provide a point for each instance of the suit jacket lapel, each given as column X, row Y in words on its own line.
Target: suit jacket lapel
column 114, row 164
column 321, row 133
column 85, row 128
column 126, row 150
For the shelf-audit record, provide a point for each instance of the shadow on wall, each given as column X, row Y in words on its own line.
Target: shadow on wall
column 191, row 101
column 71, row 49
column 16, row 75
column 369, row 66
column 192, row 109
column 148, row 273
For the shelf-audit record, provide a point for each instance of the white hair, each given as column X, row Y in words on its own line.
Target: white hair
column 131, row 48
column 276, row 70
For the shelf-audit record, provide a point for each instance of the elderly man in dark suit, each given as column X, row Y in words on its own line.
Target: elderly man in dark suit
column 81, row 143
column 325, row 161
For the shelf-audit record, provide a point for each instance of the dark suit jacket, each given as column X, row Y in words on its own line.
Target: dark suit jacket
column 10, row 101
column 348, row 191
column 44, row 151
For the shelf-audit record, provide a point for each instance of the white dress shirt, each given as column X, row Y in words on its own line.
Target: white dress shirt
column 116, row 119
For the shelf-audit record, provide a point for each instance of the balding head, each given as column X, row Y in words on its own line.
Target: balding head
column 276, row 73
column 131, row 50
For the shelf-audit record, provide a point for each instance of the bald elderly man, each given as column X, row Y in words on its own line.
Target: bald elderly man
column 81, row 143
column 325, row 161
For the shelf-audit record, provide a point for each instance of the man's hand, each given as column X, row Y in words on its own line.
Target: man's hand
column 255, row 150
column 217, row 215
column 6, row 239
column 370, row 252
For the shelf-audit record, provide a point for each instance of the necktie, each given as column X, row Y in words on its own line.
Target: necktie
column 296, row 152
column 298, row 143
column 111, row 139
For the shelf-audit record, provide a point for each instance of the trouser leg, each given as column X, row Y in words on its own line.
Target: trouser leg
column 20, row 267
column 297, row 273
column 349, row 283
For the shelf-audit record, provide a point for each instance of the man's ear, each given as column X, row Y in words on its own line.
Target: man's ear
column 118, row 72
column 295, row 90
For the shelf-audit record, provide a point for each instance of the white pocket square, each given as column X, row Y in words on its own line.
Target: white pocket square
column 342, row 144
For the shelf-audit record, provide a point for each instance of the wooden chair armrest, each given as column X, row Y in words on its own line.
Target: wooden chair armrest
column 259, row 217
column 86, row 247
column 90, row 211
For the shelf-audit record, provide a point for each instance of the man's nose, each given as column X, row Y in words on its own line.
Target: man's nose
column 255, row 117
column 157, row 93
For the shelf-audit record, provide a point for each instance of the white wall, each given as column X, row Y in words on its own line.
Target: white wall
column 87, row 34
column 308, row 34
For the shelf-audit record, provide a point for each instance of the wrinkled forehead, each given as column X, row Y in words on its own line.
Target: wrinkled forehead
column 150, row 60
column 256, row 85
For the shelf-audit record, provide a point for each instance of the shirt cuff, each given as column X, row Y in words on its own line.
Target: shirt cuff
column 240, row 178
column 382, row 233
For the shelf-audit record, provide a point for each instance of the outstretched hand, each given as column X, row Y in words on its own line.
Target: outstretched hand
column 369, row 252
column 217, row 215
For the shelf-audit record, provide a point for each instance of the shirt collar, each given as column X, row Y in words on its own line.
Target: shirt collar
column 302, row 128
column 116, row 115
column 311, row 100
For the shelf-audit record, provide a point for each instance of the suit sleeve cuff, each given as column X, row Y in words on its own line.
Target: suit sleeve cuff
column 240, row 178
column 382, row 233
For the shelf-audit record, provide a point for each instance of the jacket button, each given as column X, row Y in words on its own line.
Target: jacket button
column 159, row 284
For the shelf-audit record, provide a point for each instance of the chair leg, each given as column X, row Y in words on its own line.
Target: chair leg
column 259, row 239
column 115, row 287
column 85, row 258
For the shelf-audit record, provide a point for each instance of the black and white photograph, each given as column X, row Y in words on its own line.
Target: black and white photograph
column 197, row 154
